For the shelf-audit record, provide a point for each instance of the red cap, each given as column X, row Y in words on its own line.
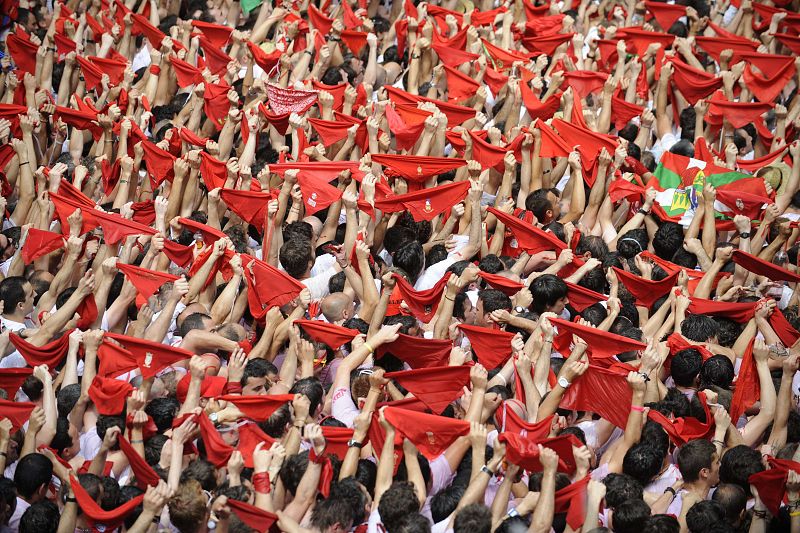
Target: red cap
column 267, row 286
column 331, row 335
column 23, row 52
column 491, row 346
column 418, row 352
column 258, row 407
column 254, row 517
column 426, row 203
column 109, row 395
column 40, row 243
column 152, row 357
column 431, row 434
column 524, row 451
column 186, row 73
column 51, row 354
column 216, row 34
column 114, row 360
column 529, row 237
column 95, row 514
column 142, row 471
column 436, row 387
column 602, row 391
column 665, row 14
column 250, row 205
column 17, row 412
column 147, row 282
column 423, row 304
column 417, row 168
column 11, row 379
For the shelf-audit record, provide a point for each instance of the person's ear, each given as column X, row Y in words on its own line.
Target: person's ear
column 548, row 214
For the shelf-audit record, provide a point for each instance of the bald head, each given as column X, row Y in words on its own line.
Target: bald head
column 337, row 307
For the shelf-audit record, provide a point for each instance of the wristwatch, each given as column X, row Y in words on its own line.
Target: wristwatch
column 214, row 417
column 519, row 309
column 562, row 381
column 352, row 443
column 745, row 235
column 486, row 470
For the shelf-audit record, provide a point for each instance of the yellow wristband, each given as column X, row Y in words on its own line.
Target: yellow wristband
column 794, row 513
column 369, row 347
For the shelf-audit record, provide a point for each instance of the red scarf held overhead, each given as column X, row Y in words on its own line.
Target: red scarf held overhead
column 95, row 514
column 431, row 434
column 331, row 335
column 748, row 389
column 436, row 387
column 217, row 450
column 17, row 412
column 51, row 354
column 152, row 357
column 646, row 291
column 259, row 407
column 507, row 286
column 580, row 297
column 251, row 206
column 426, row 204
column 524, row 452
column 771, row 484
column 147, row 282
column 255, row 518
column 336, row 440
column 682, row 430
column 417, row 168
column 738, row 312
column 423, row 304
column 317, row 193
column 418, row 352
column 11, row 379
column 603, row 391
column 109, row 395
column 40, row 243
column 760, row 267
column 530, row 238
column 491, row 346
column 602, row 344
column 144, row 473
column 406, row 126
column 512, row 423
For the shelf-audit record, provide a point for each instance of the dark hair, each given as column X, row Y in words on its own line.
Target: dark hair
column 332, row 511
column 632, row 242
column 348, row 490
column 694, row 456
column 704, row 514
column 61, row 440
column 410, row 258
column 699, row 328
column 33, row 471
column 257, row 368
column 295, row 257
column 593, row 244
column 727, row 331
column 494, row 300
column 546, row 290
column 153, row 447
column 539, row 204
column 32, row 387
column 491, row 264
column 111, row 493
column 444, row 502
column 399, row 500
column 41, row 517
column 683, row 147
column 414, row 523
column 163, row 412
column 298, row 230
column 292, row 471
column 474, row 518
column 667, row 240
column 642, row 462
column 733, row 500
column 661, row 523
column 396, row 236
column 717, row 370
column 311, row 388
column 201, row 471
column 620, row 488
column 630, row 516
column 738, row 464
column 12, row 292
column 686, row 366
column 193, row 321
column 66, row 398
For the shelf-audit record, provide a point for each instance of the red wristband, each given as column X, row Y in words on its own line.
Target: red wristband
column 261, row 482
column 637, row 408
column 155, row 70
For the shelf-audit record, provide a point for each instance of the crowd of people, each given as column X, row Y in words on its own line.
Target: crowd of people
column 400, row 266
